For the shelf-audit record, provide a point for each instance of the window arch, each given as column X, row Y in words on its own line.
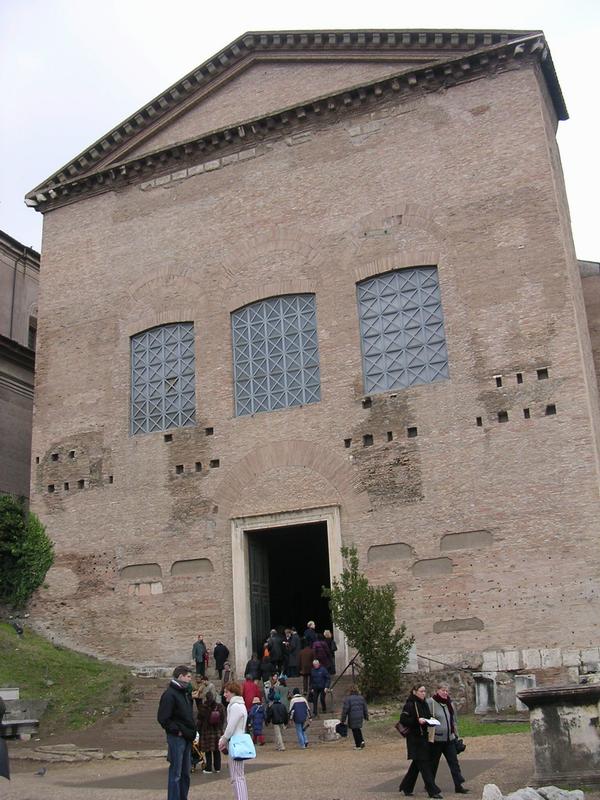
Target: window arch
column 402, row 329
column 275, row 354
column 163, row 378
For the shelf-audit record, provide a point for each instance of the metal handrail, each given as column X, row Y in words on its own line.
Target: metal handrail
column 348, row 665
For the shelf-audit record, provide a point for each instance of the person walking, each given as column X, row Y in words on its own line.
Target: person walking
column 332, row 650
column 220, row 654
column 236, row 723
column 175, row 714
column 446, row 734
column 300, row 716
column 199, row 655
column 278, row 716
column 305, row 660
column 310, row 634
column 293, row 653
column 210, row 724
column 414, row 716
column 253, row 667
column 355, row 711
column 256, row 719
column 319, row 683
column 250, row 690
column 322, row 651
column 275, row 647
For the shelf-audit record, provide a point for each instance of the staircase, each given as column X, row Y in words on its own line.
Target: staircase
column 137, row 728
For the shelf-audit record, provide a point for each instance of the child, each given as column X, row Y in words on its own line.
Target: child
column 300, row 716
column 256, row 720
column 278, row 715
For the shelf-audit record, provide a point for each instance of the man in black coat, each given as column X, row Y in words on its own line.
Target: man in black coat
column 275, row 646
column 221, row 654
column 175, row 715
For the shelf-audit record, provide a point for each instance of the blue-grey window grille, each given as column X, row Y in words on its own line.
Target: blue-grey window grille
column 275, row 354
column 163, row 378
column 402, row 329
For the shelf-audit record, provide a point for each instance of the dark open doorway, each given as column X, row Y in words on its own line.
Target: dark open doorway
column 288, row 567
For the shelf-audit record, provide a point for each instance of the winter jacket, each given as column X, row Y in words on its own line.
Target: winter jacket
column 236, row 717
column 220, row 654
column 277, row 713
column 293, row 645
column 252, row 668
column 319, row 678
column 266, row 670
column 275, row 645
column 306, row 657
column 310, row 637
column 198, row 651
column 417, row 743
column 355, row 710
column 209, row 734
column 249, row 691
column 441, row 712
column 322, row 652
column 256, row 717
column 299, row 710
column 175, row 711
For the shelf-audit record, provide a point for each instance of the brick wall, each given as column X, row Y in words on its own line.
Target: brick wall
column 462, row 179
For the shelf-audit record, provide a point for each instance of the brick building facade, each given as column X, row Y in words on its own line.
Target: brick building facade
column 322, row 291
column 19, row 274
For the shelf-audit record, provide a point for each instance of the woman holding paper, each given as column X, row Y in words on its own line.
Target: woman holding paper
column 416, row 716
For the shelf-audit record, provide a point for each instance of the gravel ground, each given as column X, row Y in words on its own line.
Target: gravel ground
column 326, row 771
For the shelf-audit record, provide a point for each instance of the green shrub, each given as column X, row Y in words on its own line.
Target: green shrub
column 367, row 616
column 26, row 552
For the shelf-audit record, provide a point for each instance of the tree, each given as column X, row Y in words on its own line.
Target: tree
column 367, row 616
column 26, row 552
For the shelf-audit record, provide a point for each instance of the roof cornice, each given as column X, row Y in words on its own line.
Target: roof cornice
column 426, row 77
column 283, row 44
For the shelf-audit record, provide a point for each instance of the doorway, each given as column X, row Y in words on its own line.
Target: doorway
column 327, row 534
column 288, row 567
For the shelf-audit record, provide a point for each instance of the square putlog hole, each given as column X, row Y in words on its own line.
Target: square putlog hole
column 168, row 437
column 179, row 469
column 412, row 432
column 209, row 431
column 367, row 439
column 214, row 463
column 542, row 374
column 550, row 410
column 503, row 416
column 367, row 402
column 347, row 442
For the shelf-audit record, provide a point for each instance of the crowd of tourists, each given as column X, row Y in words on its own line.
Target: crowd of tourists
column 226, row 711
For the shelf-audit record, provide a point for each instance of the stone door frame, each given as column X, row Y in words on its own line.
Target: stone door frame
column 241, row 577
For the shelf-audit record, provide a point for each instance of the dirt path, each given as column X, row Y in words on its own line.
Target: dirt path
column 323, row 772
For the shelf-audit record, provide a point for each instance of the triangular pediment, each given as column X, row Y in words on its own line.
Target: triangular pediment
column 259, row 73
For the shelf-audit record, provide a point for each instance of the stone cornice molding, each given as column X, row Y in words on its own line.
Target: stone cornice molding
column 12, row 351
column 63, row 188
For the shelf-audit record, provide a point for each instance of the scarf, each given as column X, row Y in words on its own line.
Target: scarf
column 447, row 702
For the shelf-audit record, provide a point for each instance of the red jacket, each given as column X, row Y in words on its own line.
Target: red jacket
column 249, row 691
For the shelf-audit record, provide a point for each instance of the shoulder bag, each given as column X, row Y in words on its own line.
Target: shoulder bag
column 402, row 729
column 241, row 747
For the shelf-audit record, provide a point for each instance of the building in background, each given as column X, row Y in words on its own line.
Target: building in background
column 19, row 278
column 323, row 291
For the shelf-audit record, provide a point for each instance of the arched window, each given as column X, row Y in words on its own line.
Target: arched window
column 402, row 329
column 162, row 378
column 275, row 354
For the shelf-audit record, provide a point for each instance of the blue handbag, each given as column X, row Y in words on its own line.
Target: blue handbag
column 241, row 747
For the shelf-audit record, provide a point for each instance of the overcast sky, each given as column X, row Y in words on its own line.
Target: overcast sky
column 70, row 70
